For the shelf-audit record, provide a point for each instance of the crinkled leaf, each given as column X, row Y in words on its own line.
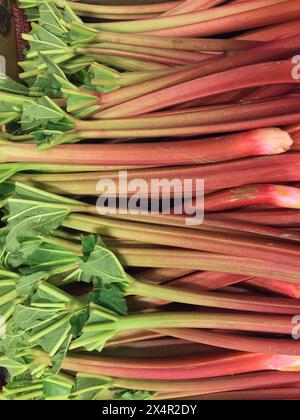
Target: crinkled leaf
column 27, row 284
column 27, row 317
column 28, row 219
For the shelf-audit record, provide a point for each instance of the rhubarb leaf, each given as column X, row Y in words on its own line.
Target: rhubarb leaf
column 98, row 262
column 27, row 284
column 93, row 338
column 88, row 387
column 27, row 192
column 27, row 317
column 125, row 394
column 51, row 19
column 58, row 387
column 29, row 219
column 15, row 367
column 9, row 85
column 111, row 297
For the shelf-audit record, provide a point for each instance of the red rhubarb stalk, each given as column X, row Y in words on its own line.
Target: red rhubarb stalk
column 265, row 194
column 248, row 76
column 208, row 386
column 275, row 13
column 234, row 341
column 119, row 9
column 257, row 142
column 180, row 368
column 163, row 23
column 276, row 217
column 216, row 177
column 274, row 286
column 268, row 51
column 188, row 6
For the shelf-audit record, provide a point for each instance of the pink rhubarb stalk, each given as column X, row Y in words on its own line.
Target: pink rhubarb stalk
column 180, row 368
column 248, row 76
column 265, row 194
column 188, row 6
column 235, row 341
column 267, row 141
column 274, row 13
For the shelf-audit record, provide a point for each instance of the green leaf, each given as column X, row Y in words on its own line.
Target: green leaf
column 80, row 34
column 127, row 395
column 43, row 112
column 76, row 99
column 51, row 19
column 87, row 387
column 50, row 258
column 15, row 367
column 99, row 262
column 9, row 85
column 27, row 284
column 96, row 340
column 27, row 317
column 51, row 138
column 28, row 219
column 27, row 192
column 58, row 387
column 111, row 297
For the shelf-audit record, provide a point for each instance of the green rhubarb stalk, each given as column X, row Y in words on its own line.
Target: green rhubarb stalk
column 191, row 44
column 95, row 334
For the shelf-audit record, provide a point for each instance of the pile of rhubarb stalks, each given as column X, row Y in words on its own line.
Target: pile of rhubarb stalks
column 145, row 306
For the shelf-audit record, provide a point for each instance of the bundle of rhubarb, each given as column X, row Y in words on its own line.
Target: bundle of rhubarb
column 100, row 303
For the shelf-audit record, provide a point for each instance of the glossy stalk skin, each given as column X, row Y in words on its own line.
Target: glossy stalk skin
column 188, row 6
column 263, row 194
column 174, row 369
column 185, row 57
column 218, row 300
column 217, row 177
column 228, row 244
column 271, row 32
column 277, row 324
column 208, row 386
column 187, row 19
column 276, row 287
column 248, row 76
column 269, row 217
column 191, row 44
column 196, row 260
column 256, row 142
column 276, row 49
column 240, row 21
column 235, row 341
column 210, row 280
column 271, row 394
column 119, row 9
